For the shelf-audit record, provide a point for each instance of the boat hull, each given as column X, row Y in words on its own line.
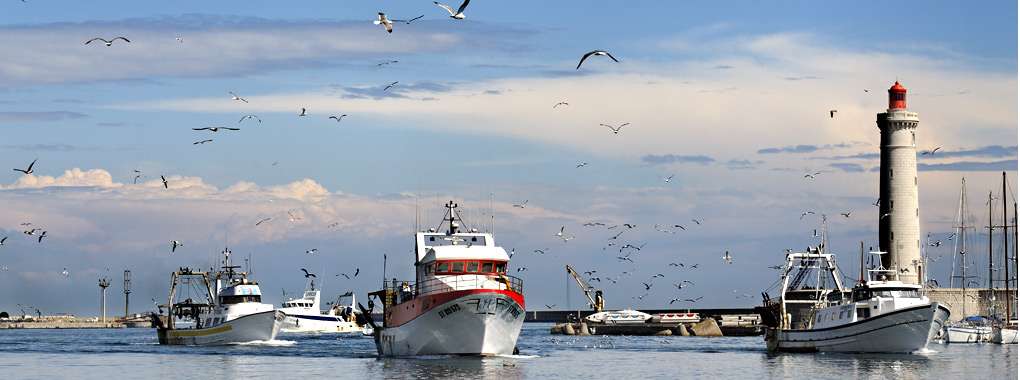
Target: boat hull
column 967, row 334
column 477, row 323
column 253, row 327
column 1004, row 335
column 318, row 323
column 902, row 331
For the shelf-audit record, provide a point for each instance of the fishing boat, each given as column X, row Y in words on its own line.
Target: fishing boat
column 462, row 302
column 814, row 312
column 305, row 315
column 222, row 307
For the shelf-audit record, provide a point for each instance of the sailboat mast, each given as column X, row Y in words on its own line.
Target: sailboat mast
column 991, row 285
column 1005, row 247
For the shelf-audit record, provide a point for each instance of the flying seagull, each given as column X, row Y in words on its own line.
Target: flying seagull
column 458, row 14
column 41, row 236
column 201, row 142
column 345, row 275
column 410, row 21
column 595, row 52
column 165, row 184
column 307, row 274
column 385, row 22
column 727, row 258
column 216, row 129
column 311, row 251
column 521, row 269
column 806, row 213
column 234, row 96
column 356, row 271
column 581, row 165
column 389, row 86
column 107, row 42
column 263, row 221
column 832, row 114
column 138, row 175
column 65, row 273
column 615, row 130
column 381, row 64
column 846, row 214
column 304, row 112
column 931, row 152
column 670, row 178
column 548, row 306
column 338, row 118
column 522, row 204
column 173, row 246
column 29, row 170
column 246, row 117
column 2, row 241
column 561, row 104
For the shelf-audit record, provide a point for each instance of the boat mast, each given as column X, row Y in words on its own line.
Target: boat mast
column 1005, row 247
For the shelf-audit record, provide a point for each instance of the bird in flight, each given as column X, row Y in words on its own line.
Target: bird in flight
column 201, row 142
column 173, row 246
column 696, row 221
column 846, row 214
column 391, row 85
column 2, row 241
column 216, row 129
column 647, row 285
column 581, row 165
column 29, row 170
column 165, row 184
column 674, row 300
column 356, row 271
column 931, row 152
column 263, row 220
column 884, row 215
column 138, row 174
column 832, row 114
column 624, row 258
column 727, row 258
column 670, row 178
column 385, row 22
column 678, row 265
column 234, row 96
column 522, row 204
column 564, row 103
column 806, row 213
column 812, row 175
column 548, row 306
column 107, row 42
column 307, row 273
column 30, row 232
column 179, row 40
column 539, row 251
column 458, row 14
column 312, row 251
column 304, row 112
column 345, row 275
column 521, row 269
column 595, row 52
column 249, row 117
column 877, row 202
column 41, row 236
column 693, row 300
column 338, row 118
column 65, row 273
column 615, row 130
column 381, row 64
column 410, row 21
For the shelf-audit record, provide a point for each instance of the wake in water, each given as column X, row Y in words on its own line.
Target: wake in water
column 268, row 343
column 518, row 356
column 925, row 351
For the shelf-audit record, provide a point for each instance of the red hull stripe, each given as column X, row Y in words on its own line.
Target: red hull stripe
column 400, row 314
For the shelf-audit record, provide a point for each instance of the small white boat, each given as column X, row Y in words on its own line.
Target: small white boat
column 974, row 329
column 881, row 315
column 228, row 312
column 1004, row 335
column 304, row 314
column 626, row 316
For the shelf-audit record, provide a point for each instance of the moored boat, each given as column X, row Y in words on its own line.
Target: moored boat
column 304, row 314
column 462, row 302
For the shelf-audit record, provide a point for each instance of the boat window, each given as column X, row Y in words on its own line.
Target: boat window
column 442, row 267
column 229, row 300
column 458, row 266
column 208, row 321
column 487, row 267
column 472, row 267
column 901, row 293
column 442, row 239
column 428, row 269
column 501, row 268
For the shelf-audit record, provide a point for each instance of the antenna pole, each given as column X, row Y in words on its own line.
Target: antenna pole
column 1005, row 247
column 860, row 279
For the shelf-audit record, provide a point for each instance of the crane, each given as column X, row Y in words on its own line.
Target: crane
column 596, row 302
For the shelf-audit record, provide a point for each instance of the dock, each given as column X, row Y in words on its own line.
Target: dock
column 714, row 322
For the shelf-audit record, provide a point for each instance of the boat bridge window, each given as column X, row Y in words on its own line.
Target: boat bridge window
column 901, row 293
column 441, row 239
column 229, row 300
column 469, row 267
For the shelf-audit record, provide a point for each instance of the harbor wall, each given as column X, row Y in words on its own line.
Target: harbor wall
column 976, row 301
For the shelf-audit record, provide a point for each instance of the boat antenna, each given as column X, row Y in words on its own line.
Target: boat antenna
column 860, row 278
column 492, row 214
column 384, row 270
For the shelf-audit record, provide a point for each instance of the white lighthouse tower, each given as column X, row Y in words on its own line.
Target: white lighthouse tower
column 898, row 216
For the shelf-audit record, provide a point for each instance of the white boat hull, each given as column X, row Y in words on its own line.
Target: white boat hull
column 253, row 327
column 1004, row 335
column 318, row 323
column 901, row 331
column 475, row 324
column 967, row 334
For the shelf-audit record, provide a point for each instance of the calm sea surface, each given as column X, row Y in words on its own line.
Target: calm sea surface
column 133, row 353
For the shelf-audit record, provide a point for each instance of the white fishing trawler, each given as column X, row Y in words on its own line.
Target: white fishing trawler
column 814, row 312
column 462, row 302
column 223, row 307
column 305, row 315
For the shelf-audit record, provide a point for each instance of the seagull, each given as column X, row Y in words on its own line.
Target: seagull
column 595, row 52
column 41, row 236
column 806, row 213
column 581, row 165
column 727, row 258
column 877, row 202
column 179, row 40
column 696, row 221
column 345, row 275
column 312, row 251
column 832, row 114
column 2, row 241
column 693, row 300
column 560, row 234
column 629, row 226
column 937, row 243
column 303, row 112
column 846, row 214
column 65, row 273
column 678, row 265
column 539, row 251
column 522, row 204
column 884, row 215
column 670, row 178
column 658, row 275
column 616, row 130
column 174, row 244
column 624, row 258
column 674, row 300
column 165, row 184
column 215, row 129
column 30, row 232
column 234, row 96
column 293, row 218
column 201, row 142
column 138, row 175
column 381, row 64
column 548, row 306
column 680, row 227
column 647, row 285
column 356, row 271
column 561, row 104
column 410, row 21
column 459, row 14
column 812, row 175
column 589, row 273
column 29, row 170
column 931, row 152
column 107, row 42
column 521, row 269
column 245, row 117
column 776, row 267
column 308, row 274
column 263, row 221
column 385, row 22
column 391, row 85
column 951, row 236
column 338, row 118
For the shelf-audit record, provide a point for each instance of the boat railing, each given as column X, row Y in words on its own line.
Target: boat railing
column 443, row 284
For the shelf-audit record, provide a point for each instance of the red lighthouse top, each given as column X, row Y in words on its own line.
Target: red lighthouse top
column 897, row 96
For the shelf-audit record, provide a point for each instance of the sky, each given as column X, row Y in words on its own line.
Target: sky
column 731, row 100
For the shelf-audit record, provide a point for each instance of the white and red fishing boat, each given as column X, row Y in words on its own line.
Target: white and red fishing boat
column 462, row 302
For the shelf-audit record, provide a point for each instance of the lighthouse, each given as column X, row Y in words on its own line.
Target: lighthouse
column 898, row 216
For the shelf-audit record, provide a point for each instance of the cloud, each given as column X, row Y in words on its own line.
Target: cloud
column 71, row 178
column 985, row 151
column 22, row 117
column 676, row 159
column 803, row 148
column 396, row 91
column 42, row 147
column 969, row 166
column 848, row 167
column 803, row 77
